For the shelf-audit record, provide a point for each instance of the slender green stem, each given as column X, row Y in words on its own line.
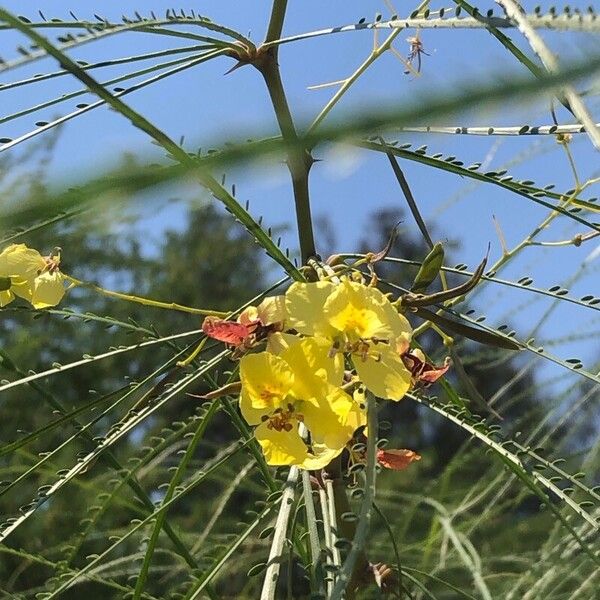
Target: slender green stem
column 160, row 519
column 145, row 301
column 348, row 575
column 279, row 536
column 329, row 577
column 311, row 526
column 299, row 159
column 276, row 21
column 337, row 559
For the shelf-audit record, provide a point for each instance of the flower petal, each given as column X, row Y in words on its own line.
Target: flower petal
column 229, row 332
column 310, row 359
column 48, row 290
column 387, row 377
column 249, row 317
column 281, row 447
column 396, row 460
column 332, row 418
column 320, row 457
column 266, row 382
column 6, row 297
column 272, row 310
column 357, row 311
column 304, row 304
column 17, row 260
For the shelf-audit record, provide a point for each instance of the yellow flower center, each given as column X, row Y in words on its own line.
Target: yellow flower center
column 353, row 320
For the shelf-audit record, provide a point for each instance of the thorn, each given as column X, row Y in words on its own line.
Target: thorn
column 235, row 67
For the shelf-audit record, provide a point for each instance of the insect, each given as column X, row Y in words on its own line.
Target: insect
column 416, row 49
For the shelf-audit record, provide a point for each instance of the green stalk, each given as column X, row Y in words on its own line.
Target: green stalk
column 349, row 574
column 279, row 536
column 299, row 159
column 276, row 21
column 175, row 481
column 178, row 153
column 311, row 526
column 145, row 301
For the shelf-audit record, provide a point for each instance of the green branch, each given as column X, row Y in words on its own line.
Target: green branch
column 276, row 21
column 177, row 153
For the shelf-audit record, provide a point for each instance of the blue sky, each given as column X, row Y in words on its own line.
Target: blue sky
column 209, row 107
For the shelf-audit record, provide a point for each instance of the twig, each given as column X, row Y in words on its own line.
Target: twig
column 515, row 12
column 347, row 572
column 279, row 536
column 299, row 158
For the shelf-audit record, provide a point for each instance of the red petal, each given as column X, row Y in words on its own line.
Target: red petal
column 424, row 371
column 229, row 332
column 396, row 459
column 432, row 374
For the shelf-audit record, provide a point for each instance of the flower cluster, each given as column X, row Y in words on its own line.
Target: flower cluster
column 305, row 404
column 25, row 273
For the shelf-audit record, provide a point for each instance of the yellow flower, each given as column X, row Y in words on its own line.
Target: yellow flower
column 360, row 320
column 31, row 276
column 300, row 385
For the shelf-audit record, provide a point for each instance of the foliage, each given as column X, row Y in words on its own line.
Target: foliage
column 127, row 468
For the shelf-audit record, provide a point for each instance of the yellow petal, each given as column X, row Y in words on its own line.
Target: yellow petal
column 399, row 326
column 304, row 304
column 320, row 457
column 253, row 416
column 310, row 360
column 278, row 342
column 281, row 447
column 48, row 290
column 387, row 377
column 248, row 316
column 272, row 310
column 6, row 297
column 357, row 311
column 23, row 288
column 266, row 382
column 17, row 260
column 333, row 418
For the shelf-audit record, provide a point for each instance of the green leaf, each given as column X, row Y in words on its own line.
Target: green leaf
column 429, row 269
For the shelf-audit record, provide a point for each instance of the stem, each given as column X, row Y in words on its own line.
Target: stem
column 276, row 21
column 337, row 559
column 516, row 13
column 145, row 301
column 329, row 576
column 349, row 574
column 299, row 159
column 311, row 526
column 279, row 536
